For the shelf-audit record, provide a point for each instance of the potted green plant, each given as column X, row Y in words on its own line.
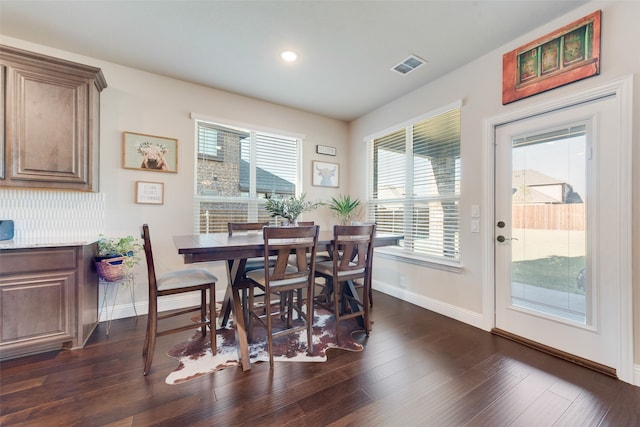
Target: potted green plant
column 116, row 256
column 290, row 208
column 344, row 207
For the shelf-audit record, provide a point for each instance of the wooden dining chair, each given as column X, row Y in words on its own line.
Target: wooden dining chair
column 283, row 280
column 371, row 288
column 251, row 263
column 176, row 282
column 248, row 227
column 348, row 272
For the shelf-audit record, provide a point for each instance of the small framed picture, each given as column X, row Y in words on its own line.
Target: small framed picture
column 325, row 174
column 325, row 149
column 149, row 152
column 151, row 193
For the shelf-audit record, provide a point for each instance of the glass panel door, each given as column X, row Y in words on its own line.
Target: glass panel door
column 557, row 242
column 549, row 192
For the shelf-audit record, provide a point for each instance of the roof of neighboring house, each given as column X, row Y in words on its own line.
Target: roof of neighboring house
column 530, row 195
column 524, row 183
column 532, row 178
column 266, row 182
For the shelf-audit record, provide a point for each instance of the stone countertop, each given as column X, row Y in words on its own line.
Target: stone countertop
column 30, row 243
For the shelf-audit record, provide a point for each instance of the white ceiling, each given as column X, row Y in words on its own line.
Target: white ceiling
column 346, row 48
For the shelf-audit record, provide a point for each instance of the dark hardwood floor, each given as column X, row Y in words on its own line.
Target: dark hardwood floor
column 418, row 368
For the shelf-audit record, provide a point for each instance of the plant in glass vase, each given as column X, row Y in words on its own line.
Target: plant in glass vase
column 290, row 208
column 344, row 207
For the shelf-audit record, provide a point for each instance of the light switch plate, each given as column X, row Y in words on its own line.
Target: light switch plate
column 475, row 211
column 475, row 226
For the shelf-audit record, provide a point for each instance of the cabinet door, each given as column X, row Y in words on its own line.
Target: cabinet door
column 2, row 132
column 37, row 300
column 37, row 308
column 47, row 129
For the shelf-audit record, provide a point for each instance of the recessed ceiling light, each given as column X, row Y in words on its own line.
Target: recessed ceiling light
column 289, row 56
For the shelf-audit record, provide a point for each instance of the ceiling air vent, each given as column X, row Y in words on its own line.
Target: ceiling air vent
column 408, row 65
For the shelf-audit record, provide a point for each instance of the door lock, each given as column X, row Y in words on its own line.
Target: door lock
column 500, row 224
column 501, row 238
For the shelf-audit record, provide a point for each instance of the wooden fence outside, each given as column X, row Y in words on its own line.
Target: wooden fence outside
column 568, row 216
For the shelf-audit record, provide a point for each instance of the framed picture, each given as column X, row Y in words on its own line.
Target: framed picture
column 564, row 56
column 149, row 152
column 151, row 193
column 326, row 150
column 325, row 174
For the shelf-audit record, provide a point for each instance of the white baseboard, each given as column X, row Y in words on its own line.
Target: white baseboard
column 457, row 313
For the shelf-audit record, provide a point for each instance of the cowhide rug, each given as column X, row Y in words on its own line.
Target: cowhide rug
column 196, row 358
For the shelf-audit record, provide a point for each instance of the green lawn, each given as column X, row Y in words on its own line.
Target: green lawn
column 554, row 272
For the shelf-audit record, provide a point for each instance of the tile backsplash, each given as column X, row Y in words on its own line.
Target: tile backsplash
column 52, row 216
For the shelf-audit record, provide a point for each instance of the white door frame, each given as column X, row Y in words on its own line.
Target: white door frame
column 623, row 90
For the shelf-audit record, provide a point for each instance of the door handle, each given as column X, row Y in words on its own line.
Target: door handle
column 501, row 238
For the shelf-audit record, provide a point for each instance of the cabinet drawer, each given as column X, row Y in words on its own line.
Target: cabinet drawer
column 17, row 261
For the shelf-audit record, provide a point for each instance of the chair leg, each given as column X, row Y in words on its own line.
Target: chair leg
column 370, row 296
column 366, row 303
column 203, row 311
column 145, row 347
column 289, row 297
column 299, row 301
column 249, row 310
column 336, row 307
column 150, row 340
column 212, row 319
column 246, row 305
column 269, row 328
column 309, row 319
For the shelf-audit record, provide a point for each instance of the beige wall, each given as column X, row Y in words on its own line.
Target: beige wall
column 478, row 85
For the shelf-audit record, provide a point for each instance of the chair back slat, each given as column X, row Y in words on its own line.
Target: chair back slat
column 245, row 226
column 353, row 248
column 300, row 241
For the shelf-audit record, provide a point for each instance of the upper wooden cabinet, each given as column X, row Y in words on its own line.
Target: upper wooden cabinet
column 51, row 122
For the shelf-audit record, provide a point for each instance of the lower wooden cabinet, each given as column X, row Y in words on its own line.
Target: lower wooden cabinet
column 48, row 299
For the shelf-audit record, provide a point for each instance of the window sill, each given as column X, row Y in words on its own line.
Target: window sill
column 394, row 254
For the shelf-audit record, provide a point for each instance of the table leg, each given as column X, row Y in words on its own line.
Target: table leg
column 241, row 332
column 233, row 304
column 235, row 270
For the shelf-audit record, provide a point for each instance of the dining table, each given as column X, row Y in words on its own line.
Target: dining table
column 235, row 250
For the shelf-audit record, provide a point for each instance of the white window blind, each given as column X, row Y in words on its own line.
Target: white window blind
column 415, row 185
column 208, row 145
column 231, row 188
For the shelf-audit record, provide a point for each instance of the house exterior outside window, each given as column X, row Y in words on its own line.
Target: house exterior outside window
column 235, row 168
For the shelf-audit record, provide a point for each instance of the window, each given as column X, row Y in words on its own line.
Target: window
column 235, row 169
column 209, row 147
column 415, row 185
